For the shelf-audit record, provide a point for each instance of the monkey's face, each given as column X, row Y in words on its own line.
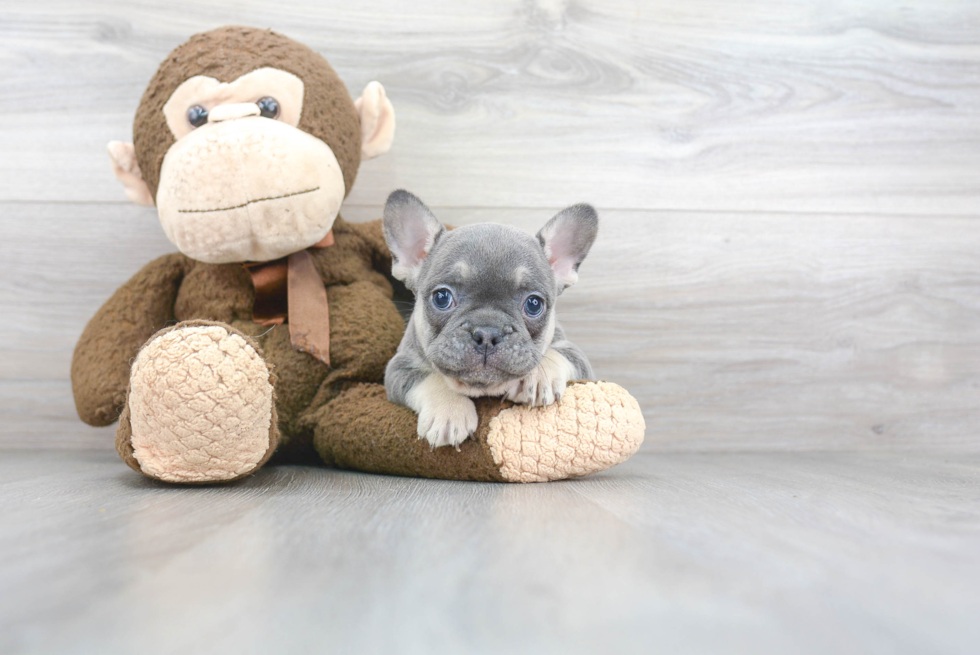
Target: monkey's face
column 242, row 182
column 248, row 142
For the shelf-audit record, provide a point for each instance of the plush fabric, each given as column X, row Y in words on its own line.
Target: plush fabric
column 285, row 87
column 222, row 191
column 596, row 425
column 365, row 326
column 342, row 411
column 101, row 364
column 377, row 121
column 202, row 405
column 204, row 393
column 226, row 54
column 231, row 464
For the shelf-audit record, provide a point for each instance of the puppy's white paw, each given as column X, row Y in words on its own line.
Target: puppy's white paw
column 446, row 418
column 545, row 384
column 448, row 422
column 537, row 389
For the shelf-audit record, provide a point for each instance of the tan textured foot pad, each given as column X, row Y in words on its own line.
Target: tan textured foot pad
column 201, row 404
column 596, row 425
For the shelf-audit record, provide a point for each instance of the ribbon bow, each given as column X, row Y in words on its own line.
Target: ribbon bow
column 290, row 289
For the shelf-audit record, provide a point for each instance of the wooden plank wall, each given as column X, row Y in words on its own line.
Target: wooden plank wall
column 790, row 252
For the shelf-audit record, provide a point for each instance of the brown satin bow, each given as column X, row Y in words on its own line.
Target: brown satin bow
column 290, row 289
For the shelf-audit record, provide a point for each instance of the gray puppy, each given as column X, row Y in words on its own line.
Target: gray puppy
column 484, row 318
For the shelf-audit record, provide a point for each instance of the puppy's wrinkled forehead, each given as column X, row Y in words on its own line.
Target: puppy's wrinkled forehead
column 489, row 257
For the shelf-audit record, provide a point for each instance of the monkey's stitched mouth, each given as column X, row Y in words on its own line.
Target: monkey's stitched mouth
column 246, row 204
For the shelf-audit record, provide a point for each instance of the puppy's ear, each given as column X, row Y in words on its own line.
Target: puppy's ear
column 566, row 240
column 410, row 230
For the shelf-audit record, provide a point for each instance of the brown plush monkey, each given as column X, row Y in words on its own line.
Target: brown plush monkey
column 268, row 333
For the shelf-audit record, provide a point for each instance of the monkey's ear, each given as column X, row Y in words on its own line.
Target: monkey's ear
column 566, row 240
column 377, row 121
column 410, row 230
column 127, row 171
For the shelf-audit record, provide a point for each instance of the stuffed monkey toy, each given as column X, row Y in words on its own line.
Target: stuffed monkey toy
column 266, row 336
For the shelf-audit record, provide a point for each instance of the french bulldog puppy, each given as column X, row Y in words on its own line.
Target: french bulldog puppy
column 484, row 318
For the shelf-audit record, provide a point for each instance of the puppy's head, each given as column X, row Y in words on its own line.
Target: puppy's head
column 485, row 294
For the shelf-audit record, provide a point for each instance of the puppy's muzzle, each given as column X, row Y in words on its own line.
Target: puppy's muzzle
column 487, row 338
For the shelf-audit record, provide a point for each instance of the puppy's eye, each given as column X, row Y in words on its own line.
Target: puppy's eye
column 533, row 306
column 268, row 107
column 197, row 115
column 442, row 299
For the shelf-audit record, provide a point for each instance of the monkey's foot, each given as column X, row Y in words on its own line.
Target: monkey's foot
column 201, row 406
column 595, row 425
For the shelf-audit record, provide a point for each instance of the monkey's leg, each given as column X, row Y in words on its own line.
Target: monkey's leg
column 200, row 406
column 596, row 425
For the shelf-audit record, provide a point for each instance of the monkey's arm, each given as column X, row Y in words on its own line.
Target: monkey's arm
column 374, row 239
column 110, row 341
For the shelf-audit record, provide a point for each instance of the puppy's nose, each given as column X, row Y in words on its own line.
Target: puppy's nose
column 487, row 337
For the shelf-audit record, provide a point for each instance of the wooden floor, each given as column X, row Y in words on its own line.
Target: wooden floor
column 787, row 277
column 675, row 553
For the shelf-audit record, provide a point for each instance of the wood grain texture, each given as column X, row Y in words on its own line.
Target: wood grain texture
column 871, row 553
column 784, row 106
column 789, row 253
column 789, row 260
column 732, row 330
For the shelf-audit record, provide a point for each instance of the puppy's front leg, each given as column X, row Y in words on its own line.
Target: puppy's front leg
column 446, row 418
column 546, row 383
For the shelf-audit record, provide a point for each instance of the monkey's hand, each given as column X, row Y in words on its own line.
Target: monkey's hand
column 546, row 383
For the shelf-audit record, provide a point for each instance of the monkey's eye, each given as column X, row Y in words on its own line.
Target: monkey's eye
column 197, row 115
column 533, row 306
column 268, row 107
column 443, row 299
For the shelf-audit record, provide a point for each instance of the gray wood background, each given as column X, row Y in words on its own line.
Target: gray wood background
column 790, row 252
column 789, row 260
